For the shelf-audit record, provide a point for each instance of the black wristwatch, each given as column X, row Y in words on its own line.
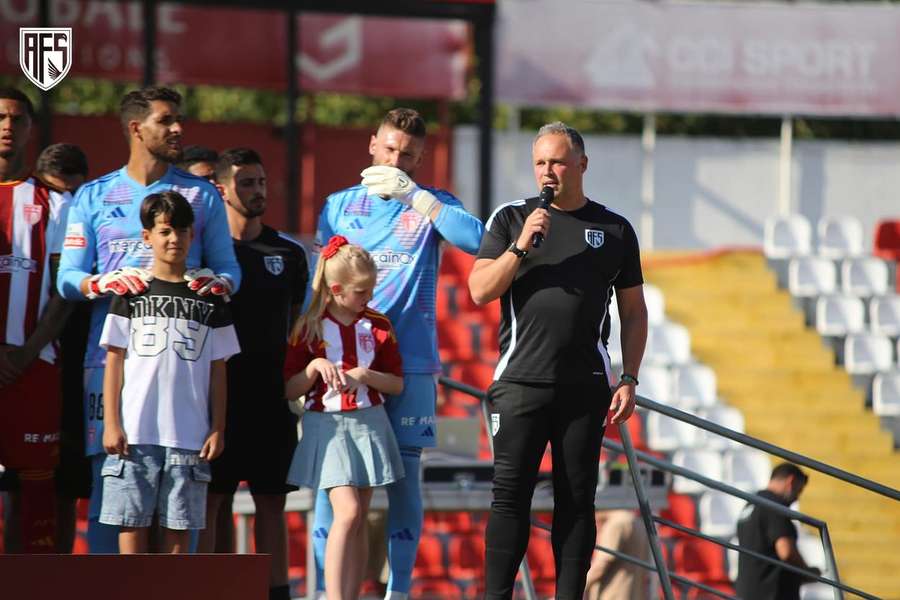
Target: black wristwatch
column 626, row 378
column 517, row 251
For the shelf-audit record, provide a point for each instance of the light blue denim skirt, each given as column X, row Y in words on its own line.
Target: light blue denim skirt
column 355, row 448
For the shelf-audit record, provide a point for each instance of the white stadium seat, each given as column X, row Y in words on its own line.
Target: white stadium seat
column 748, row 470
column 812, row 551
column 668, row 344
column 665, row 434
column 702, row 462
column 787, row 237
column 816, row 591
column 656, row 304
column 695, row 386
column 864, row 277
column 725, row 416
column 656, row 384
column 840, row 315
column 884, row 315
column 865, row 354
column 840, row 237
column 810, row 277
column 719, row 513
column 886, row 394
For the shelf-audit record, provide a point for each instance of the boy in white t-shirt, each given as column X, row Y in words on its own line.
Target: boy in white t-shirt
column 163, row 390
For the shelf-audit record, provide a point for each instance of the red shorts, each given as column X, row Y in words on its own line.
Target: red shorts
column 30, row 419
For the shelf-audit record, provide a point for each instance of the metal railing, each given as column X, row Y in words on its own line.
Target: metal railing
column 658, row 565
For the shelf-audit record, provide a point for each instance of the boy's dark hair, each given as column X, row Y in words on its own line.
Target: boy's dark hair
column 11, row 93
column 406, row 120
column 172, row 205
column 785, row 469
column 193, row 154
column 135, row 105
column 62, row 159
column 235, row 157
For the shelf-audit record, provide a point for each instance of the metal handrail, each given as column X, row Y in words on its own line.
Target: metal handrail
column 632, row 455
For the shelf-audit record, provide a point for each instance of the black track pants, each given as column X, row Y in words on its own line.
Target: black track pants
column 525, row 418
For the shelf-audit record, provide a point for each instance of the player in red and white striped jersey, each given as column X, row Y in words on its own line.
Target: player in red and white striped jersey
column 32, row 226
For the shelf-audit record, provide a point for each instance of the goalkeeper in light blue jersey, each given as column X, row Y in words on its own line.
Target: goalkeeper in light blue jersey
column 103, row 253
column 403, row 226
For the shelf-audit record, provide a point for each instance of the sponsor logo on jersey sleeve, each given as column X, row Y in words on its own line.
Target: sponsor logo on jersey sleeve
column 594, row 237
column 190, row 193
column 75, row 236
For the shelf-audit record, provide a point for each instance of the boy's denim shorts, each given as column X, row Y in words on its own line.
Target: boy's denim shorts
column 168, row 481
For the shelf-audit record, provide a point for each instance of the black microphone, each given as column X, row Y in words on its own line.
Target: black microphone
column 546, row 198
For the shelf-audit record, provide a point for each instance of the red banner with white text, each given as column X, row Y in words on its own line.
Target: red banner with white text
column 411, row 58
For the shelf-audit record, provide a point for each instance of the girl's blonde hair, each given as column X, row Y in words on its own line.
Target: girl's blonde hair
column 339, row 262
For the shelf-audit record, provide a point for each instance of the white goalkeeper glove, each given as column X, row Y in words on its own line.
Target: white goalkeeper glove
column 128, row 280
column 205, row 281
column 392, row 182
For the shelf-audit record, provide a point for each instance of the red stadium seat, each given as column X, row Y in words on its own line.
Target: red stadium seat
column 466, row 553
column 296, row 528
column 887, row 243
column 635, row 428
column 682, row 510
column 456, row 262
column 722, row 586
column 540, row 556
column 435, row 589
column 700, row 560
column 430, row 558
column 448, row 522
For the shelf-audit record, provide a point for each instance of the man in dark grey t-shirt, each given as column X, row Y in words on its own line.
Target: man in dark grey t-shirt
column 552, row 383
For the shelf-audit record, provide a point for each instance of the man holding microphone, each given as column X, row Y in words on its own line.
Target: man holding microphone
column 552, row 383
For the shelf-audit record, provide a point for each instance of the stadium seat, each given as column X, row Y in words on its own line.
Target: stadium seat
column 668, row 344
column 430, row 558
column 455, row 339
column 666, row 434
column 812, row 551
column 448, row 522
column 811, row 277
column 682, row 510
column 887, row 240
column 698, row 594
column 719, row 513
column 702, row 462
column 435, row 589
column 656, row 384
column 700, row 560
column 656, row 304
column 695, row 386
column 725, row 416
column 466, row 554
column 864, row 277
column 456, row 262
column 816, row 591
column 635, row 427
column 884, row 315
column 840, row 237
column 865, row 354
column 296, row 532
column 540, row 555
column 886, row 394
column 839, row 316
column 787, row 237
column 747, row 470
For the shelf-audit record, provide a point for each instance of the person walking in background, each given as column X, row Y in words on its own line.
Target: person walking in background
column 344, row 357
column 403, row 226
column 773, row 535
column 552, row 383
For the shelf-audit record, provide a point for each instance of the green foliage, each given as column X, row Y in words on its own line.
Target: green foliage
column 80, row 96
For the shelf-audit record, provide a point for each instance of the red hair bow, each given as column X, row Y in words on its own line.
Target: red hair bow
column 333, row 246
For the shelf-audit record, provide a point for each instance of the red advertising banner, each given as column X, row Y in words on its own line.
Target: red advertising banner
column 810, row 59
column 413, row 58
